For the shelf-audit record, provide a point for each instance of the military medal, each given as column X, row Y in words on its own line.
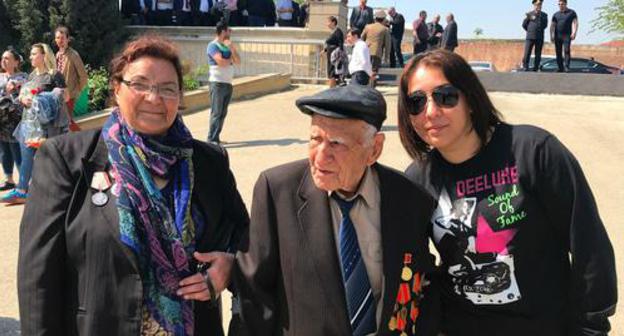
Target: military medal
column 100, row 182
column 406, row 273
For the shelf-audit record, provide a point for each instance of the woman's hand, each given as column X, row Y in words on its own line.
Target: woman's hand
column 26, row 101
column 195, row 287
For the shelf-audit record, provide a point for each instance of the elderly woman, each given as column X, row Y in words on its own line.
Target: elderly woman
column 10, row 114
column 129, row 229
column 523, row 249
column 43, row 78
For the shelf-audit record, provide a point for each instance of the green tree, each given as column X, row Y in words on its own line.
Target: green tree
column 31, row 21
column 610, row 17
column 7, row 37
column 478, row 32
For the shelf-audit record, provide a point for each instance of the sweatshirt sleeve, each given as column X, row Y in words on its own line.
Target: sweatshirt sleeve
column 570, row 206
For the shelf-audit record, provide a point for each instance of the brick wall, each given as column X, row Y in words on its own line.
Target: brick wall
column 507, row 54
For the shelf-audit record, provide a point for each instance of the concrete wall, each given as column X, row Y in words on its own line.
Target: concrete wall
column 507, row 54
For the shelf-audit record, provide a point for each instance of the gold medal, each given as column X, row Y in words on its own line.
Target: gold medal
column 406, row 274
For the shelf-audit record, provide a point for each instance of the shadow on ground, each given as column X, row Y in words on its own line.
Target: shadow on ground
column 9, row 327
column 258, row 143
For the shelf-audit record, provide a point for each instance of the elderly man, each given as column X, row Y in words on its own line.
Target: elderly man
column 397, row 28
column 337, row 243
column 361, row 16
column 377, row 38
column 449, row 36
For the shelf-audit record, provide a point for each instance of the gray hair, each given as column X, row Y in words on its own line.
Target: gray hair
column 368, row 135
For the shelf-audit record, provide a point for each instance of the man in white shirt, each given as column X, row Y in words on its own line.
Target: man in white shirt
column 285, row 11
column 360, row 66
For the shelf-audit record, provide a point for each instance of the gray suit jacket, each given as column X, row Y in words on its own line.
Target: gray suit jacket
column 288, row 271
column 449, row 36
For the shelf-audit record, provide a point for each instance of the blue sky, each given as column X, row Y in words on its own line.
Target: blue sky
column 497, row 18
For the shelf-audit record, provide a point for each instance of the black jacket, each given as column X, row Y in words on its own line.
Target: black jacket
column 75, row 276
column 397, row 26
column 535, row 25
column 360, row 18
column 449, row 36
column 288, row 270
column 263, row 8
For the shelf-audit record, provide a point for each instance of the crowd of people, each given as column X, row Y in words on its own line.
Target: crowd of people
column 252, row 13
column 35, row 107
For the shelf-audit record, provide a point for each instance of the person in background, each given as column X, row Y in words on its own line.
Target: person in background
column 435, row 32
column 185, row 12
column 523, row 249
column 420, row 33
column 134, row 11
column 397, row 29
column 261, row 13
column 563, row 29
column 125, row 233
column 337, row 243
column 361, row 16
column 333, row 42
column 377, row 37
column 534, row 23
column 305, row 14
column 70, row 65
column 161, row 12
column 10, row 114
column 285, row 10
column 360, row 66
column 449, row 36
column 43, row 78
column 222, row 55
column 204, row 13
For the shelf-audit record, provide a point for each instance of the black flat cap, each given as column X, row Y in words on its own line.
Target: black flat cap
column 347, row 102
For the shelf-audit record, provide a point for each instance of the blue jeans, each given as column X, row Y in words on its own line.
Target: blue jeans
column 28, row 158
column 10, row 153
column 220, row 96
column 256, row 21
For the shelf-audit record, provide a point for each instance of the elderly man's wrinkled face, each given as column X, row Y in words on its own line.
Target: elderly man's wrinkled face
column 339, row 152
column 148, row 99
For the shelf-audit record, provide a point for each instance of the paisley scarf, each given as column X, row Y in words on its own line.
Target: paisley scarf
column 162, row 236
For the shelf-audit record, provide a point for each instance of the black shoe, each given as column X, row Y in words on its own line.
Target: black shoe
column 7, row 186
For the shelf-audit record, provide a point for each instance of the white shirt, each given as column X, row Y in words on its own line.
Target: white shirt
column 285, row 4
column 360, row 59
column 204, row 6
column 164, row 4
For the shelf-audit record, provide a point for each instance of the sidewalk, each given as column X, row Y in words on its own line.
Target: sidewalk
column 269, row 130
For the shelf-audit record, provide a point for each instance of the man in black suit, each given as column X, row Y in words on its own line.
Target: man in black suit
column 449, row 36
column 185, row 11
column 435, row 32
column 361, row 16
column 397, row 28
column 534, row 23
column 338, row 243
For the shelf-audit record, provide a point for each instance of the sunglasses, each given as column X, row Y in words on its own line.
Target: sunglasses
column 444, row 96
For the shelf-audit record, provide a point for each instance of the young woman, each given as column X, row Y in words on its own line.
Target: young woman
column 44, row 77
column 523, row 249
column 10, row 114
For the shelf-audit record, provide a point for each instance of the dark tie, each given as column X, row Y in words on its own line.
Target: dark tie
column 360, row 300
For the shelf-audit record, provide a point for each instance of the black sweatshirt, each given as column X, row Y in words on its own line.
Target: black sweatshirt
column 524, row 251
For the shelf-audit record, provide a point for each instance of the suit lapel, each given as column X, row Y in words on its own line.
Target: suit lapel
column 315, row 220
column 392, row 241
column 97, row 161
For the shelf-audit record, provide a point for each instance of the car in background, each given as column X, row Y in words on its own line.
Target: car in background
column 582, row 65
column 545, row 58
column 482, row 66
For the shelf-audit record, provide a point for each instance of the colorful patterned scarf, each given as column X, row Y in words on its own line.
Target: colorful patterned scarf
column 162, row 238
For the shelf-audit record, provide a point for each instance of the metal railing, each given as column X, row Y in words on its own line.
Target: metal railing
column 300, row 58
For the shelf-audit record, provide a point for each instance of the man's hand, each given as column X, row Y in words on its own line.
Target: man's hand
column 573, row 36
column 195, row 287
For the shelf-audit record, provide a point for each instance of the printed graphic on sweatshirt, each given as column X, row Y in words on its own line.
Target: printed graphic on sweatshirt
column 474, row 236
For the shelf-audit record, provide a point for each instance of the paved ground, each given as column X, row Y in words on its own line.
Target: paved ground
column 267, row 131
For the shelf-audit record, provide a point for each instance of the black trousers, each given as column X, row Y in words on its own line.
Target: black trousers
column 360, row 78
column 562, row 46
column 183, row 18
column 396, row 56
column 420, row 47
column 528, row 49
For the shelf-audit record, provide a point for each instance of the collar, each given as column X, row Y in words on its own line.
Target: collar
column 366, row 190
